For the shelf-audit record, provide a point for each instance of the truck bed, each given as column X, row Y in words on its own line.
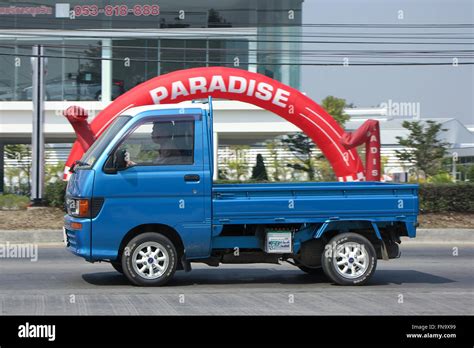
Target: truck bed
column 313, row 202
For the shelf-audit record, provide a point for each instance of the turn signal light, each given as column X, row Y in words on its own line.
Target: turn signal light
column 76, row 225
column 83, row 207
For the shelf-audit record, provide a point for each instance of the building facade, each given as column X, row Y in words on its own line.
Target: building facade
column 97, row 50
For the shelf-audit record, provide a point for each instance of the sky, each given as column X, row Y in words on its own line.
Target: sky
column 439, row 91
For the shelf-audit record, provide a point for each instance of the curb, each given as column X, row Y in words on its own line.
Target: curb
column 442, row 235
column 31, row 236
column 434, row 235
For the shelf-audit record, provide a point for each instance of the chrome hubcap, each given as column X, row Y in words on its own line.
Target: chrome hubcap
column 351, row 260
column 150, row 260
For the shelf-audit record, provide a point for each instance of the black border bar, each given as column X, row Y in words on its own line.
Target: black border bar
column 224, row 331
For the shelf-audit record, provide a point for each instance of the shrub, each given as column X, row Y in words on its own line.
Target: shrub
column 441, row 178
column 259, row 172
column 435, row 198
column 54, row 193
column 13, row 202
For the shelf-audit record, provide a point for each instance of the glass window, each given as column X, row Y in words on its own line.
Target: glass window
column 229, row 53
column 195, row 53
column 73, row 71
column 177, row 54
column 101, row 143
column 171, row 55
column 15, row 70
column 137, row 62
column 169, row 142
column 77, row 76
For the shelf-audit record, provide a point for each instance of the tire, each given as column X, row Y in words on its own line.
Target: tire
column 312, row 271
column 157, row 267
column 117, row 266
column 349, row 250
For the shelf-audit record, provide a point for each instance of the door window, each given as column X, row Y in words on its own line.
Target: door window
column 164, row 142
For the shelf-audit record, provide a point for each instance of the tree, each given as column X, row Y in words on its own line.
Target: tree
column 325, row 171
column 272, row 147
column 469, row 175
column 466, row 171
column 259, row 172
column 239, row 165
column 215, row 20
column 302, row 146
column 13, row 177
column 335, row 107
column 53, row 172
column 423, row 148
column 222, row 174
column 22, row 154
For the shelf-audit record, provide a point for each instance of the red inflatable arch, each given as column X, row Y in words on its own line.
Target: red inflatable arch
column 242, row 85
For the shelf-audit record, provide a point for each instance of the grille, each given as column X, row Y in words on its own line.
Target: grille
column 96, row 206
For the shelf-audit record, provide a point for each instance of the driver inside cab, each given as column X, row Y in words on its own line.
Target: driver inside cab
column 169, row 140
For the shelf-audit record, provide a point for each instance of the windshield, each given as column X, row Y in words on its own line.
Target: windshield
column 101, row 143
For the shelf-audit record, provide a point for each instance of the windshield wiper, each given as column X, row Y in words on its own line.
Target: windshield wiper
column 77, row 162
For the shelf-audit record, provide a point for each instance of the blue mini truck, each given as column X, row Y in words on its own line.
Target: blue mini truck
column 142, row 198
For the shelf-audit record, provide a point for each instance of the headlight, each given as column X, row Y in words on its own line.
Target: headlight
column 78, row 207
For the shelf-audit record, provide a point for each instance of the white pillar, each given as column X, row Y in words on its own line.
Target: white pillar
column 106, row 70
column 38, row 63
column 215, row 155
column 2, row 167
column 253, row 54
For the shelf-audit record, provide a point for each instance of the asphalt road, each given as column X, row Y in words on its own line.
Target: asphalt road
column 427, row 279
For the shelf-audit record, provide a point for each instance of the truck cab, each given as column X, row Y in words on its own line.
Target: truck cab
column 143, row 199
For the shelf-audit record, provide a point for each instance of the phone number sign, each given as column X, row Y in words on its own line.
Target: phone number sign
column 122, row 10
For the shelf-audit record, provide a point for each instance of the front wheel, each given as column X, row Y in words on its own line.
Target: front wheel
column 149, row 259
column 349, row 259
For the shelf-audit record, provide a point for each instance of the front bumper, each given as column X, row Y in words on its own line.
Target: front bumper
column 78, row 241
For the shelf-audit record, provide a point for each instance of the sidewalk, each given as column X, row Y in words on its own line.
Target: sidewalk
column 432, row 235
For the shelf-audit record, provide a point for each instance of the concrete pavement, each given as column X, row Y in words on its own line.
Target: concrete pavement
column 428, row 279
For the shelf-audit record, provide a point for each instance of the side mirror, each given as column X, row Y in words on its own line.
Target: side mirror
column 117, row 161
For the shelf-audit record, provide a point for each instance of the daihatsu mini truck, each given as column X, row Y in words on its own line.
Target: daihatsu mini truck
column 142, row 198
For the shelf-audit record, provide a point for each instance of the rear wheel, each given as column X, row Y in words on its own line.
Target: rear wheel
column 149, row 259
column 117, row 266
column 349, row 259
column 311, row 270
column 309, row 257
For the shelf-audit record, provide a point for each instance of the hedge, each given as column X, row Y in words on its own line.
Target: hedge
column 13, row 202
column 54, row 194
column 436, row 198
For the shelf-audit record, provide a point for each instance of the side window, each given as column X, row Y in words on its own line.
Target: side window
column 160, row 143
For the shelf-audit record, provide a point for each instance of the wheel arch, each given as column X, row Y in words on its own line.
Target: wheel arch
column 166, row 230
column 332, row 227
column 383, row 235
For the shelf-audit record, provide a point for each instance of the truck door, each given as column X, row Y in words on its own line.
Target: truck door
column 164, row 183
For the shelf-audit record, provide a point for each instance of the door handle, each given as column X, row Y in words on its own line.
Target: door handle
column 192, row 178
